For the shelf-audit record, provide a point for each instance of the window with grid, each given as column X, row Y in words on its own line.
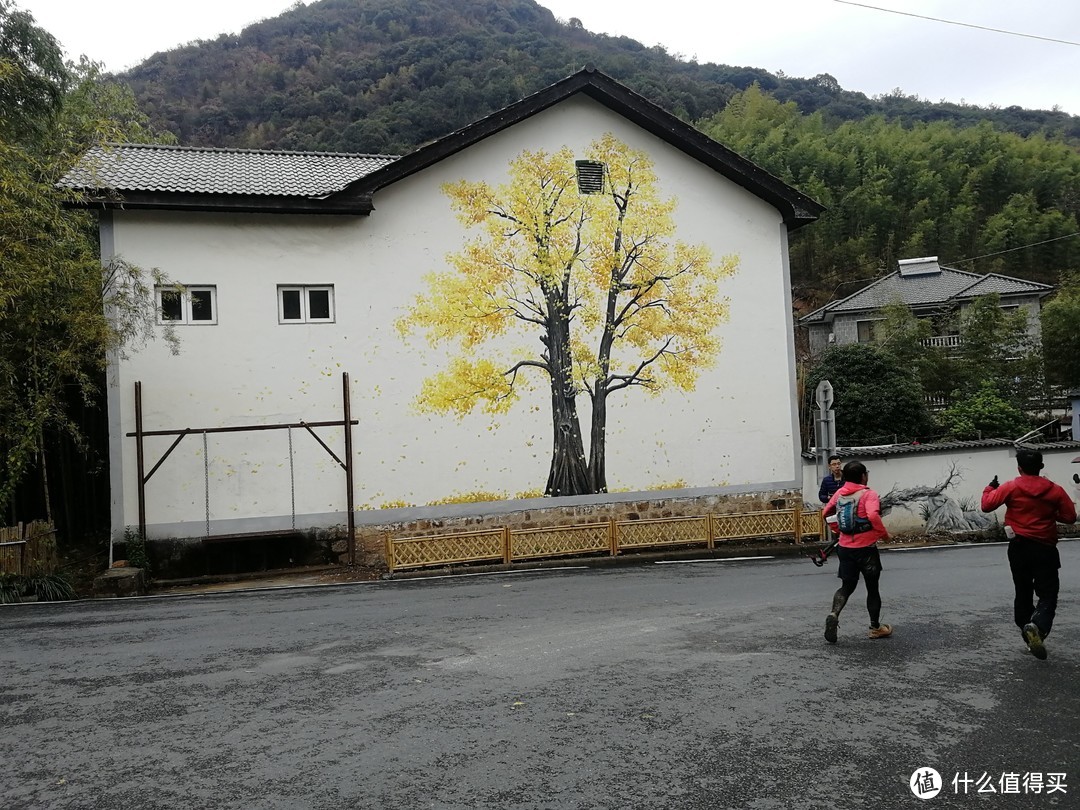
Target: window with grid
column 194, row 304
column 306, row 304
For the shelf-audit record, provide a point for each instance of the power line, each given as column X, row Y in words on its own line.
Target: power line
column 955, row 22
column 1010, row 250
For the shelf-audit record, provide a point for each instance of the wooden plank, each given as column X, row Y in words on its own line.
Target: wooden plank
column 277, row 534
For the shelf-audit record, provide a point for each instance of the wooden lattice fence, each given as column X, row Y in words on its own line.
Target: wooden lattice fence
column 507, row 545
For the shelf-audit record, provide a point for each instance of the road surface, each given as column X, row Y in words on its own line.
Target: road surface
column 684, row 685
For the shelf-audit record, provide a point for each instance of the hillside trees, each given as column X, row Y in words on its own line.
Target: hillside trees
column 1061, row 334
column 878, row 400
column 54, row 334
column 894, row 191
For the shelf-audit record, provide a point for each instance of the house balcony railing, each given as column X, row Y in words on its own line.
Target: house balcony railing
column 943, row 341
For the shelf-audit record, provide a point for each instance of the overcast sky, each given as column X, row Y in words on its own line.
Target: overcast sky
column 865, row 49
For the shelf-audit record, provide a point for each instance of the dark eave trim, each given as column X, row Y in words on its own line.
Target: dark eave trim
column 234, row 203
column 796, row 208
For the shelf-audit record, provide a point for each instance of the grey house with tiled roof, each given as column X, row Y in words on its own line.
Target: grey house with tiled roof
column 453, row 293
column 932, row 291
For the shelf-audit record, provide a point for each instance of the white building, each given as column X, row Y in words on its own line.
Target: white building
column 299, row 267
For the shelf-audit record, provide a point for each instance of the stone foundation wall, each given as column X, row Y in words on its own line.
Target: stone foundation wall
column 371, row 539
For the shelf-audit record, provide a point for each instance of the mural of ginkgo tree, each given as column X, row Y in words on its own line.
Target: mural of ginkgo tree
column 588, row 293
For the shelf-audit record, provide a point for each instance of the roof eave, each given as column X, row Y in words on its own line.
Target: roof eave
column 1014, row 294
column 795, row 207
column 231, row 203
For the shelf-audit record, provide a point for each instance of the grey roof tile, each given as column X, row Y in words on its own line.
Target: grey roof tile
column 912, row 290
column 944, row 447
column 925, row 289
column 155, row 168
column 1002, row 285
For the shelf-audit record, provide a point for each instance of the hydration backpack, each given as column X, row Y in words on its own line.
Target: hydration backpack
column 846, row 519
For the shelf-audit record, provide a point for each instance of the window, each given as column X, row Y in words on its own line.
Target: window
column 590, row 176
column 306, row 304
column 866, row 331
column 196, row 304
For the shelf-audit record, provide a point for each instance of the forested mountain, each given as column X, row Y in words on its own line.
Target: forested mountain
column 388, row 75
column 901, row 177
column 979, row 198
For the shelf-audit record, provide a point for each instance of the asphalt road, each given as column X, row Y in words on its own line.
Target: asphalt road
column 691, row 685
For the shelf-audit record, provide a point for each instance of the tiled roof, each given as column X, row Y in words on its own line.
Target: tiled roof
column 925, row 290
column 1003, row 285
column 153, row 168
column 243, row 181
column 795, row 208
column 944, row 447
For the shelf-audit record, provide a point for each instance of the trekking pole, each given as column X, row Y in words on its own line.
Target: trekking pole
column 820, row 555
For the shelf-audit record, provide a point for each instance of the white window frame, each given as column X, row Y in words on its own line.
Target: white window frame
column 185, row 291
column 305, row 290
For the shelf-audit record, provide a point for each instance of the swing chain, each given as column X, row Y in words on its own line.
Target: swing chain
column 292, row 480
column 206, row 479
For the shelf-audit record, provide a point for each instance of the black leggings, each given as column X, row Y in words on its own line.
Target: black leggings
column 873, row 596
column 1034, row 567
column 856, row 562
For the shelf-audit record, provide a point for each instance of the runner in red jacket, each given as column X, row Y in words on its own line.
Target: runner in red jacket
column 858, row 551
column 1033, row 507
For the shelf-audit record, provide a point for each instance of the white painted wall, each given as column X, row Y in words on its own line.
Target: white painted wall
column 737, row 430
column 976, row 466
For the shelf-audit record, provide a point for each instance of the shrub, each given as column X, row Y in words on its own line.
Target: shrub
column 984, row 415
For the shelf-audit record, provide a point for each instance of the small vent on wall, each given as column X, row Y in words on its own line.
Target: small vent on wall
column 590, row 176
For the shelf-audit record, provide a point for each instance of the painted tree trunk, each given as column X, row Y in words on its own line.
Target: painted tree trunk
column 598, row 443
column 569, row 474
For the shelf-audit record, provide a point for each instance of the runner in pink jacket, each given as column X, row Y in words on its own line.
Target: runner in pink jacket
column 868, row 508
column 860, row 507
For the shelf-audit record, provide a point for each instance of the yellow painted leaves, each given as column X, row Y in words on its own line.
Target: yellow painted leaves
column 642, row 307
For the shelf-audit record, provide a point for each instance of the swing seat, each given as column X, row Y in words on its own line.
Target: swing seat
column 274, row 534
column 249, row 551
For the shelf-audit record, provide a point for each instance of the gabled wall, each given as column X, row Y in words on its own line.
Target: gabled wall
column 735, row 432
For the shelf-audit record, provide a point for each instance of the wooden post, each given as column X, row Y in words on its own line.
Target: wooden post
column 506, row 544
column 140, row 461
column 797, row 513
column 709, row 530
column 349, row 467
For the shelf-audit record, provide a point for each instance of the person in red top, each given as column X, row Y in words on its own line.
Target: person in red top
column 858, row 506
column 1033, row 507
